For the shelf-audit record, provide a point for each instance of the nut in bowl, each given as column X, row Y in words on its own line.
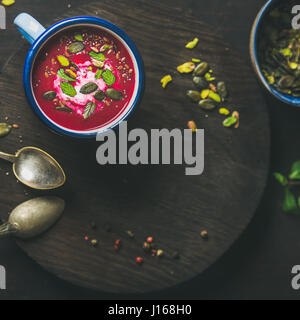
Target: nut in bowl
column 275, row 50
column 81, row 76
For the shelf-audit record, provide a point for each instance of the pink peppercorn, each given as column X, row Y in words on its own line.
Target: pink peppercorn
column 149, row 240
column 139, row 260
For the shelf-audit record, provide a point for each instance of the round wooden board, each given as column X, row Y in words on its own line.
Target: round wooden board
column 149, row 200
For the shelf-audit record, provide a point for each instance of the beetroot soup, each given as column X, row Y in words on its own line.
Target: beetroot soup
column 83, row 79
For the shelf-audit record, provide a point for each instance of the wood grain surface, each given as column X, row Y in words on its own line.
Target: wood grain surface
column 149, row 200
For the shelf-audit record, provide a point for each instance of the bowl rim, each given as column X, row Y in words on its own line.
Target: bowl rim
column 288, row 99
column 41, row 40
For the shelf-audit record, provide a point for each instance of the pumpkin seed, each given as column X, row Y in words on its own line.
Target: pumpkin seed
column 49, row 95
column 64, row 109
column 114, row 94
column 75, row 47
column 194, row 95
column 207, row 104
column 89, row 109
column 5, row 129
column 200, row 83
column 222, row 89
column 286, row 82
column 201, row 69
column 88, row 88
column 99, row 95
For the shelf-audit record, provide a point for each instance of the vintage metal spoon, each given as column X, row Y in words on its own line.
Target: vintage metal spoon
column 33, row 217
column 36, row 168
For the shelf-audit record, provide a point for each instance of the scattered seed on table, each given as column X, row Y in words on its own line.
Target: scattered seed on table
column 149, row 239
column 86, row 238
column 139, row 260
column 130, row 234
column 146, row 246
column 236, row 115
column 192, row 126
column 16, row 126
column 154, row 252
column 204, row 234
column 160, row 253
column 94, row 242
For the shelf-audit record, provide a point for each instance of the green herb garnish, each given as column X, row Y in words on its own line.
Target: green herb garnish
column 290, row 204
column 68, row 89
column 78, row 37
column 89, row 109
column 108, row 77
column 97, row 56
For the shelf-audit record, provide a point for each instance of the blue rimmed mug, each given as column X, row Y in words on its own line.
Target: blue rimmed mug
column 38, row 36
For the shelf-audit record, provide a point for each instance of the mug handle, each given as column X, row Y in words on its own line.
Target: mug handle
column 29, row 27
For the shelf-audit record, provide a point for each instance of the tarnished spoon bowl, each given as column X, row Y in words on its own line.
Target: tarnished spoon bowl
column 33, row 217
column 36, row 169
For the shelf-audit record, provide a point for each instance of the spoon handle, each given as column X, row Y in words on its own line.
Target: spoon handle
column 7, row 229
column 8, row 157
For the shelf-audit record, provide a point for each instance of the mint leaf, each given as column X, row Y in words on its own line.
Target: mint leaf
column 68, row 89
column 62, row 75
column 290, row 203
column 98, row 74
column 281, row 179
column 97, row 56
column 108, row 77
column 89, row 109
column 78, row 37
column 295, row 171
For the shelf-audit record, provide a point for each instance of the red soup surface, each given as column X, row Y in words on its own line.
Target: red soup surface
column 83, row 79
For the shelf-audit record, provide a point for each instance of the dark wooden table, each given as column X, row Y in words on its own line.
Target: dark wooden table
column 259, row 265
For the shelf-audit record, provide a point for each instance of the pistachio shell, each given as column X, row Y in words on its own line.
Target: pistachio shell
column 49, row 95
column 194, row 95
column 207, row 104
column 5, row 129
column 114, row 94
